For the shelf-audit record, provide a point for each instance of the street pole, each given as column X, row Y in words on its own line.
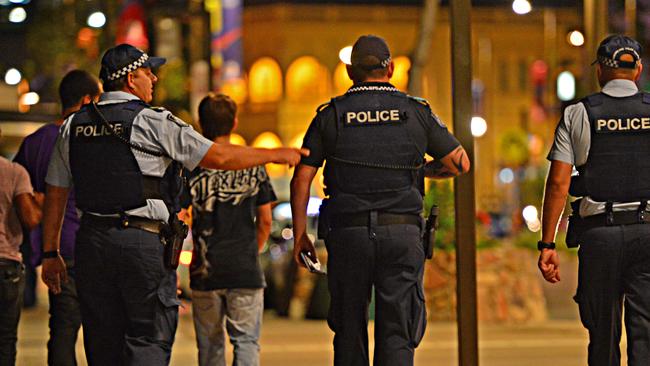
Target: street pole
column 630, row 18
column 595, row 19
column 461, row 61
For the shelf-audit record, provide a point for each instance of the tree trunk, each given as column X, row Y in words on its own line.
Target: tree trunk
column 422, row 49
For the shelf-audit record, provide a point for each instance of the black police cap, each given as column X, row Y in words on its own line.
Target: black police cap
column 612, row 48
column 123, row 59
column 370, row 52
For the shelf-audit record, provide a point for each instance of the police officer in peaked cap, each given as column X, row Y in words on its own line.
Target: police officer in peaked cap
column 123, row 158
column 606, row 137
column 373, row 140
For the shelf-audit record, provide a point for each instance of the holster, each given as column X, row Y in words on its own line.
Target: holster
column 172, row 237
column 430, row 227
column 576, row 225
column 323, row 220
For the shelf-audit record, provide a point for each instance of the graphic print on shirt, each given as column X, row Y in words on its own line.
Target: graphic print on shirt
column 235, row 186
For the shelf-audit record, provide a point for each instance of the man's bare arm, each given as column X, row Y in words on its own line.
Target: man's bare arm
column 29, row 209
column 555, row 195
column 451, row 165
column 300, row 186
column 233, row 157
column 263, row 222
column 54, row 270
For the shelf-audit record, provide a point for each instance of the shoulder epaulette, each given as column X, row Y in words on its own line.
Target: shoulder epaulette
column 324, row 105
column 158, row 109
column 422, row 101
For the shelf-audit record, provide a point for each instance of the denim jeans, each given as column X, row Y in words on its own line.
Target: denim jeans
column 65, row 321
column 12, row 285
column 241, row 311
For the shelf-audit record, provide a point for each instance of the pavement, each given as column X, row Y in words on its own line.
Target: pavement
column 308, row 342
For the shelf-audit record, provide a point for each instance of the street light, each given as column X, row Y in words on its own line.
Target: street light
column 478, row 126
column 345, row 55
column 521, row 7
column 17, row 15
column 30, row 98
column 566, row 86
column 576, row 38
column 96, row 19
column 13, row 77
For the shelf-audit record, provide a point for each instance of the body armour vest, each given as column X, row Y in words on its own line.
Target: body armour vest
column 107, row 178
column 374, row 152
column 618, row 163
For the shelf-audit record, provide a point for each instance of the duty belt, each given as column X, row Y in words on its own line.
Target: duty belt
column 617, row 218
column 383, row 218
column 149, row 225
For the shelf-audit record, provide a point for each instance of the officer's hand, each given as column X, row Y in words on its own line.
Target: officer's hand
column 304, row 244
column 53, row 272
column 289, row 155
column 549, row 265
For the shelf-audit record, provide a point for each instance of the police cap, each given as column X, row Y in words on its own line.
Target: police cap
column 612, row 50
column 370, row 52
column 123, row 59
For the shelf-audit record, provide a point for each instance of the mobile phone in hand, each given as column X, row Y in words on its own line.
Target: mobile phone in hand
column 311, row 266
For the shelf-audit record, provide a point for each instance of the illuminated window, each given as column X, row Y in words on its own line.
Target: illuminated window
column 401, row 74
column 307, row 80
column 341, row 79
column 265, row 81
column 269, row 140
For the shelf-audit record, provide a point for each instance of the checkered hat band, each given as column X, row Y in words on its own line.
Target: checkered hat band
column 129, row 68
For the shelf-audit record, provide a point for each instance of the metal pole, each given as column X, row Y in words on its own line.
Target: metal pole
column 630, row 18
column 461, row 57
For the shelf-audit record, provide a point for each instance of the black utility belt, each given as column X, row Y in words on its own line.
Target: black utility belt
column 363, row 219
column 125, row 222
column 617, row 218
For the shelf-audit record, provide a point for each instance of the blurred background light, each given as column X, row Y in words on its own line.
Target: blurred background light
column 13, row 77
column 17, row 15
column 237, row 139
column 344, row 55
column 566, row 86
column 576, row 38
column 186, row 257
column 478, row 126
column 30, row 98
column 521, row 7
column 96, row 19
column 529, row 213
column 19, row 1
column 506, row 175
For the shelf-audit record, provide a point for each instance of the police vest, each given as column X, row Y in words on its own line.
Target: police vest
column 374, row 152
column 618, row 164
column 107, row 178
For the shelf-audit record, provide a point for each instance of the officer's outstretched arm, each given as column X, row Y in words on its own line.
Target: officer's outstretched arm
column 451, row 165
column 233, row 157
column 54, row 270
column 300, row 186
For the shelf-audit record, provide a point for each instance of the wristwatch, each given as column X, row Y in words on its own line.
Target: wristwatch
column 541, row 245
column 50, row 254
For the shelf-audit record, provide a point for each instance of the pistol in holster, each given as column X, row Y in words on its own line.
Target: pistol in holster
column 323, row 220
column 430, row 227
column 172, row 237
column 576, row 226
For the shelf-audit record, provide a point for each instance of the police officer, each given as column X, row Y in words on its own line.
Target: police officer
column 123, row 158
column 373, row 139
column 606, row 137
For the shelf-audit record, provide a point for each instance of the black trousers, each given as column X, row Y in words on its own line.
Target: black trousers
column 65, row 321
column 128, row 298
column 614, row 272
column 391, row 258
column 12, row 284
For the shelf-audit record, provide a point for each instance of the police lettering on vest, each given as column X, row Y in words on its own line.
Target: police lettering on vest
column 97, row 130
column 622, row 124
column 372, row 117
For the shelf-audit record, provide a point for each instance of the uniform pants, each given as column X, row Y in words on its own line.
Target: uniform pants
column 614, row 271
column 239, row 311
column 391, row 258
column 65, row 321
column 128, row 298
column 12, row 284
